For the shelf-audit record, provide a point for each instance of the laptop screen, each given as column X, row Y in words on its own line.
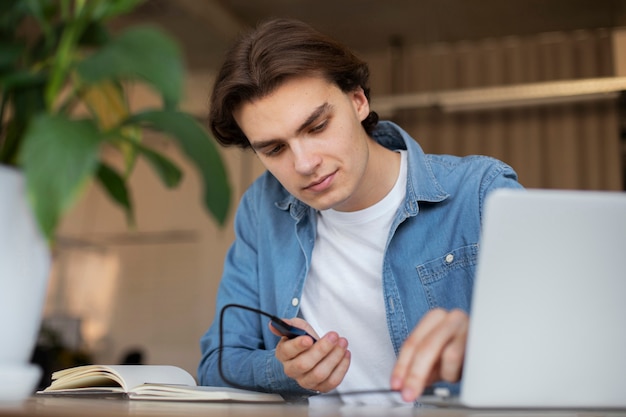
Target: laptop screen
column 548, row 317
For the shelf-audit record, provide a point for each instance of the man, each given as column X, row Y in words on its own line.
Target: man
column 353, row 233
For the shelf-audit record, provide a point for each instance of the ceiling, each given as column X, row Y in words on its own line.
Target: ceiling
column 205, row 27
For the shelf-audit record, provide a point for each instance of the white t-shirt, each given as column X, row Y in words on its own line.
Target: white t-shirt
column 343, row 291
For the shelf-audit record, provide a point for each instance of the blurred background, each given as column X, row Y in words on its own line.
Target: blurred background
column 536, row 83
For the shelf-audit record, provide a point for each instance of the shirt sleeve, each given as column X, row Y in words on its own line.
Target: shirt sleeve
column 247, row 345
column 499, row 175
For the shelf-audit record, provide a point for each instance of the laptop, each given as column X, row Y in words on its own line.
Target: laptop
column 548, row 315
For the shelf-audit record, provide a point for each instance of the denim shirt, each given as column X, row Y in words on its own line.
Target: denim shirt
column 429, row 261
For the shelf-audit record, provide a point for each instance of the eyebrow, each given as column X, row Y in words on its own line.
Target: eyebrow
column 319, row 111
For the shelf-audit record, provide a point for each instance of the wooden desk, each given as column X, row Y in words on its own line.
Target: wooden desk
column 85, row 407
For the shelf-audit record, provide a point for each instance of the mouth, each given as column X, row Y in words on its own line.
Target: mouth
column 321, row 184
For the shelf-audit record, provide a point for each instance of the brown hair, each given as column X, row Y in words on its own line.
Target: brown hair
column 261, row 60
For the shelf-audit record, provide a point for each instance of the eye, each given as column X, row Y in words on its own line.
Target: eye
column 275, row 150
column 319, row 127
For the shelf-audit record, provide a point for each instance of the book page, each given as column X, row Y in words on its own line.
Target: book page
column 125, row 376
column 200, row 393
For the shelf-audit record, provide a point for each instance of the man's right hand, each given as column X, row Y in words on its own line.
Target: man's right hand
column 318, row 366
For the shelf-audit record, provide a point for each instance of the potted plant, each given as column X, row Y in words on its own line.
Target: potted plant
column 64, row 81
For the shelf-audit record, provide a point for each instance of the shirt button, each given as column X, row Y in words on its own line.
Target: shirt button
column 294, row 302
column 449, row 258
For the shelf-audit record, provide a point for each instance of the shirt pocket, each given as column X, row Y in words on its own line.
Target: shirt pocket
column 448, row 279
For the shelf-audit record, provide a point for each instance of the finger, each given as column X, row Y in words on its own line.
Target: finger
column 328, row 373
column 273, row 329
column 426, row 365
column 313, row 366
column 304, row 325
column 337, row 375
column 453, row 355
column 304, row 362
column 430, row 321
column 289, row 349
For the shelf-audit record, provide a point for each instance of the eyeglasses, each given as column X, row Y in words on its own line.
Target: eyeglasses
column 283, row 327
column 290, row 332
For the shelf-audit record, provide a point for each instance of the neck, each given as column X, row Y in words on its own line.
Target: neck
column 383, row 170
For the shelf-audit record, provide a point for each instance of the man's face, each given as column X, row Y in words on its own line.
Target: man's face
column 308, row 134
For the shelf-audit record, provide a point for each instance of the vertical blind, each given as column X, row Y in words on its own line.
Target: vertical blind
column 574, row 145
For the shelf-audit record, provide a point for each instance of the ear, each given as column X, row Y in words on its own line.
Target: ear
column 360, row 102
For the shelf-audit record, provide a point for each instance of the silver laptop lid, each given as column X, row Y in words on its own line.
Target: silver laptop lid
column 548, row 318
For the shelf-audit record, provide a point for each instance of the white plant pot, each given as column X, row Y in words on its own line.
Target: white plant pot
column 24, row 269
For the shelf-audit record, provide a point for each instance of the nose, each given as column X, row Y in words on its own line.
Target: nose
column 305, row 159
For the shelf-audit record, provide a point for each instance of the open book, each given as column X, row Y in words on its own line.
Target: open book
column 144, row 382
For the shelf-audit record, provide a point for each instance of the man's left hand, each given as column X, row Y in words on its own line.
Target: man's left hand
column 434, row 351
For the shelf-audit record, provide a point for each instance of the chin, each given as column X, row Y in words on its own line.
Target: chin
column 317, row 204
column 330, row 199
column 326, row 205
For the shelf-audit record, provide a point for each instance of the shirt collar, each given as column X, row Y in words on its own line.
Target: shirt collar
column 421, row 182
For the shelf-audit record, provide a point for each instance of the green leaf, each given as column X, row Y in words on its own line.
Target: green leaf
column 58, row 157
column 169, row 173
column 198, row 146
column 115, row 186
column 144, row 53
column 21, row 79
column 110, row 8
